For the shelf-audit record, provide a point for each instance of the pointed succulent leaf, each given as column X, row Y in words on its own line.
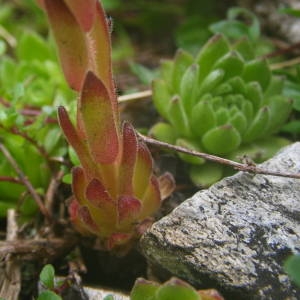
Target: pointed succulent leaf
column 97, row 195
column 232, row 64
column 221, row 140
column 151, row 200
column 192, row 146
column 99, row 50
column 211, row 82
column 83, row 11
column 255, row 94
column 275, row 87
column 166, row 184
column 86, row 219
column 177, row 115
column 181, row 62
column 188, row 87
column 238, row 85
column 280, row 109
column 247, row 109
column 257, row 70
column 245, row 48
column 222, row 116
column 73, row 138
column 79, row 184
column 203, row 118
column 118, row 239
column 239, row 121
column 98, row 116
column 163, row 132
column 213, row 50
column 144, row 290
column 128, row 209
column 222, row 89
column 210, row 294
column 205, row 175
column 177, row 289
column 129, row 156
column 74, row 217
column 161, row 97
column 167, row 66
column 70, row 40
column 258, row 126
column 142, row 170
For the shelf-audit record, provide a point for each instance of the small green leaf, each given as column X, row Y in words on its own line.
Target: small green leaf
column 161, row 96
column 202, row 118
column 209, row 83
column 221, row 140
column 206, row 175
column 163, row 132
column 176, row 289
column 143, row 290
column 182, row 61
column 258, row 126
column 214, row 49
column 257, row 70
column 47, row 276
column 292, row 267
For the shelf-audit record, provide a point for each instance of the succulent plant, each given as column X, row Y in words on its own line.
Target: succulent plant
column 224, row 102
column 114, row 189
column 174, row 289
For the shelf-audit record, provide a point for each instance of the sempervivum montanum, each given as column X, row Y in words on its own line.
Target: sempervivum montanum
column 224, row 102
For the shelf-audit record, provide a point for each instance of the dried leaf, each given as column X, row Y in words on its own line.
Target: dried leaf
column 166, row 184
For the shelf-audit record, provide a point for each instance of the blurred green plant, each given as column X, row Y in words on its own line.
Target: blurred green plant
column 31, row 85
column 224, row 102
column 292, row 267
column 174, row 289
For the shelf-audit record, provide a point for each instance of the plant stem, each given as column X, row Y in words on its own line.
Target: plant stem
column 251, row 168
column 26, row 182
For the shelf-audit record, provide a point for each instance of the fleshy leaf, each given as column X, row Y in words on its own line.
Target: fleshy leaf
column 143, row 289
column 98, row 118
column 151, row 200
column 128, row 208
column 70, row 40
column 73, row 138
column 79, row 184
column 97, row 195
column 129, row 155
column 142, row 170
column 83, row 11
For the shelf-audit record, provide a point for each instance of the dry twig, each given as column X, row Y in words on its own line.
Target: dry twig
column 238, row 166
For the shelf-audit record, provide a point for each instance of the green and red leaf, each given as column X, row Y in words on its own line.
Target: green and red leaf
column 128, row 208
column 71, row 42
column 98, row 117
column 129, row 154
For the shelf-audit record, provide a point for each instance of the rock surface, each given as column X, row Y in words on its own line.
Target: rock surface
column 235, row 235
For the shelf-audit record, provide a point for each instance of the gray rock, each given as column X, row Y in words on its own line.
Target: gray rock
column 235, row 235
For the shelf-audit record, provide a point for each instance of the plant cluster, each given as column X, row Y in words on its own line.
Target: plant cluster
column 224, row 102
column 31, row 85
column 115, row 190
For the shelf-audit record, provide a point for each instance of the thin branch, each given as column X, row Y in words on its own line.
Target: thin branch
column 53, row 185
column 38, row 249
column 26, row 182
column 285, row 64
column 282, row 51
column 11, row 179
column 238, row 166
column 135, row 96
